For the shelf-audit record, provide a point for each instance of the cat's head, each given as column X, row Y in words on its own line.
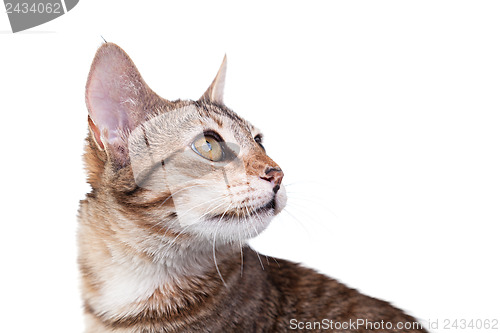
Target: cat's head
column 189, row 168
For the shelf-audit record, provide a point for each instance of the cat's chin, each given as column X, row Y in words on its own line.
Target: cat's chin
column 236, row 226
column 243, row 214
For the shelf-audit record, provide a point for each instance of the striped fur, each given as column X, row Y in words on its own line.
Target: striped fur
column 162, row 235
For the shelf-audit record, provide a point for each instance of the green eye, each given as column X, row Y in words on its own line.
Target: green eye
column 208, row 147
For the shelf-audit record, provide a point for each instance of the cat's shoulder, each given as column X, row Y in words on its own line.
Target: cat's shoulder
column 313, row 295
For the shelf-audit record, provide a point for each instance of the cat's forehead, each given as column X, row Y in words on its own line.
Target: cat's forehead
column 179, row 122
column 225, row 117
column 211, row 116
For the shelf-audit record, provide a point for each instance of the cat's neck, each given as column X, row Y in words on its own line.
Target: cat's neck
column 126, row 273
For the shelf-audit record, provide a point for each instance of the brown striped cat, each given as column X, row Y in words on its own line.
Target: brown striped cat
column 178, row 187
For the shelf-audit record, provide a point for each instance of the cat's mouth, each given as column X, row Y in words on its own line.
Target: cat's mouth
column 245, row 212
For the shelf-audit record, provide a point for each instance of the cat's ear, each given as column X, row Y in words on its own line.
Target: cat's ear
column 215, row 92
column 115, row 95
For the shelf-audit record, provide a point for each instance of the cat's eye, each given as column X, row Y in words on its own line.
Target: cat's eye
column 258, row 139
column 209, row 147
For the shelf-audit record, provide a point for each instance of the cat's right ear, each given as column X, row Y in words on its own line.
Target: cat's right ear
column 115, row 94
column 215, row 92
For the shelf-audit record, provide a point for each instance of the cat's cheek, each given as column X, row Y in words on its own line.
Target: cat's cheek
column 281, row 199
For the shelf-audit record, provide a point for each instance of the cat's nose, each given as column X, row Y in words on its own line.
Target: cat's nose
column 274, row 176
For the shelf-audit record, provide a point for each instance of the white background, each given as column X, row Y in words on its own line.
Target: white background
column 384, row 116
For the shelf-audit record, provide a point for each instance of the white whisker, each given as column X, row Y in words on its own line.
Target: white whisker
column 213, row 247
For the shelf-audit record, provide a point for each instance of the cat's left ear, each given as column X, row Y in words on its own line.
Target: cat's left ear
column 215, row 92
column 117, row 99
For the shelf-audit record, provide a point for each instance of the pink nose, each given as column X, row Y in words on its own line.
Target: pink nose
column 274, row 176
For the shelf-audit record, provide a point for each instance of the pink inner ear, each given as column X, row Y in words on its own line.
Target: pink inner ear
column 106, row 107
column 112, row 90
